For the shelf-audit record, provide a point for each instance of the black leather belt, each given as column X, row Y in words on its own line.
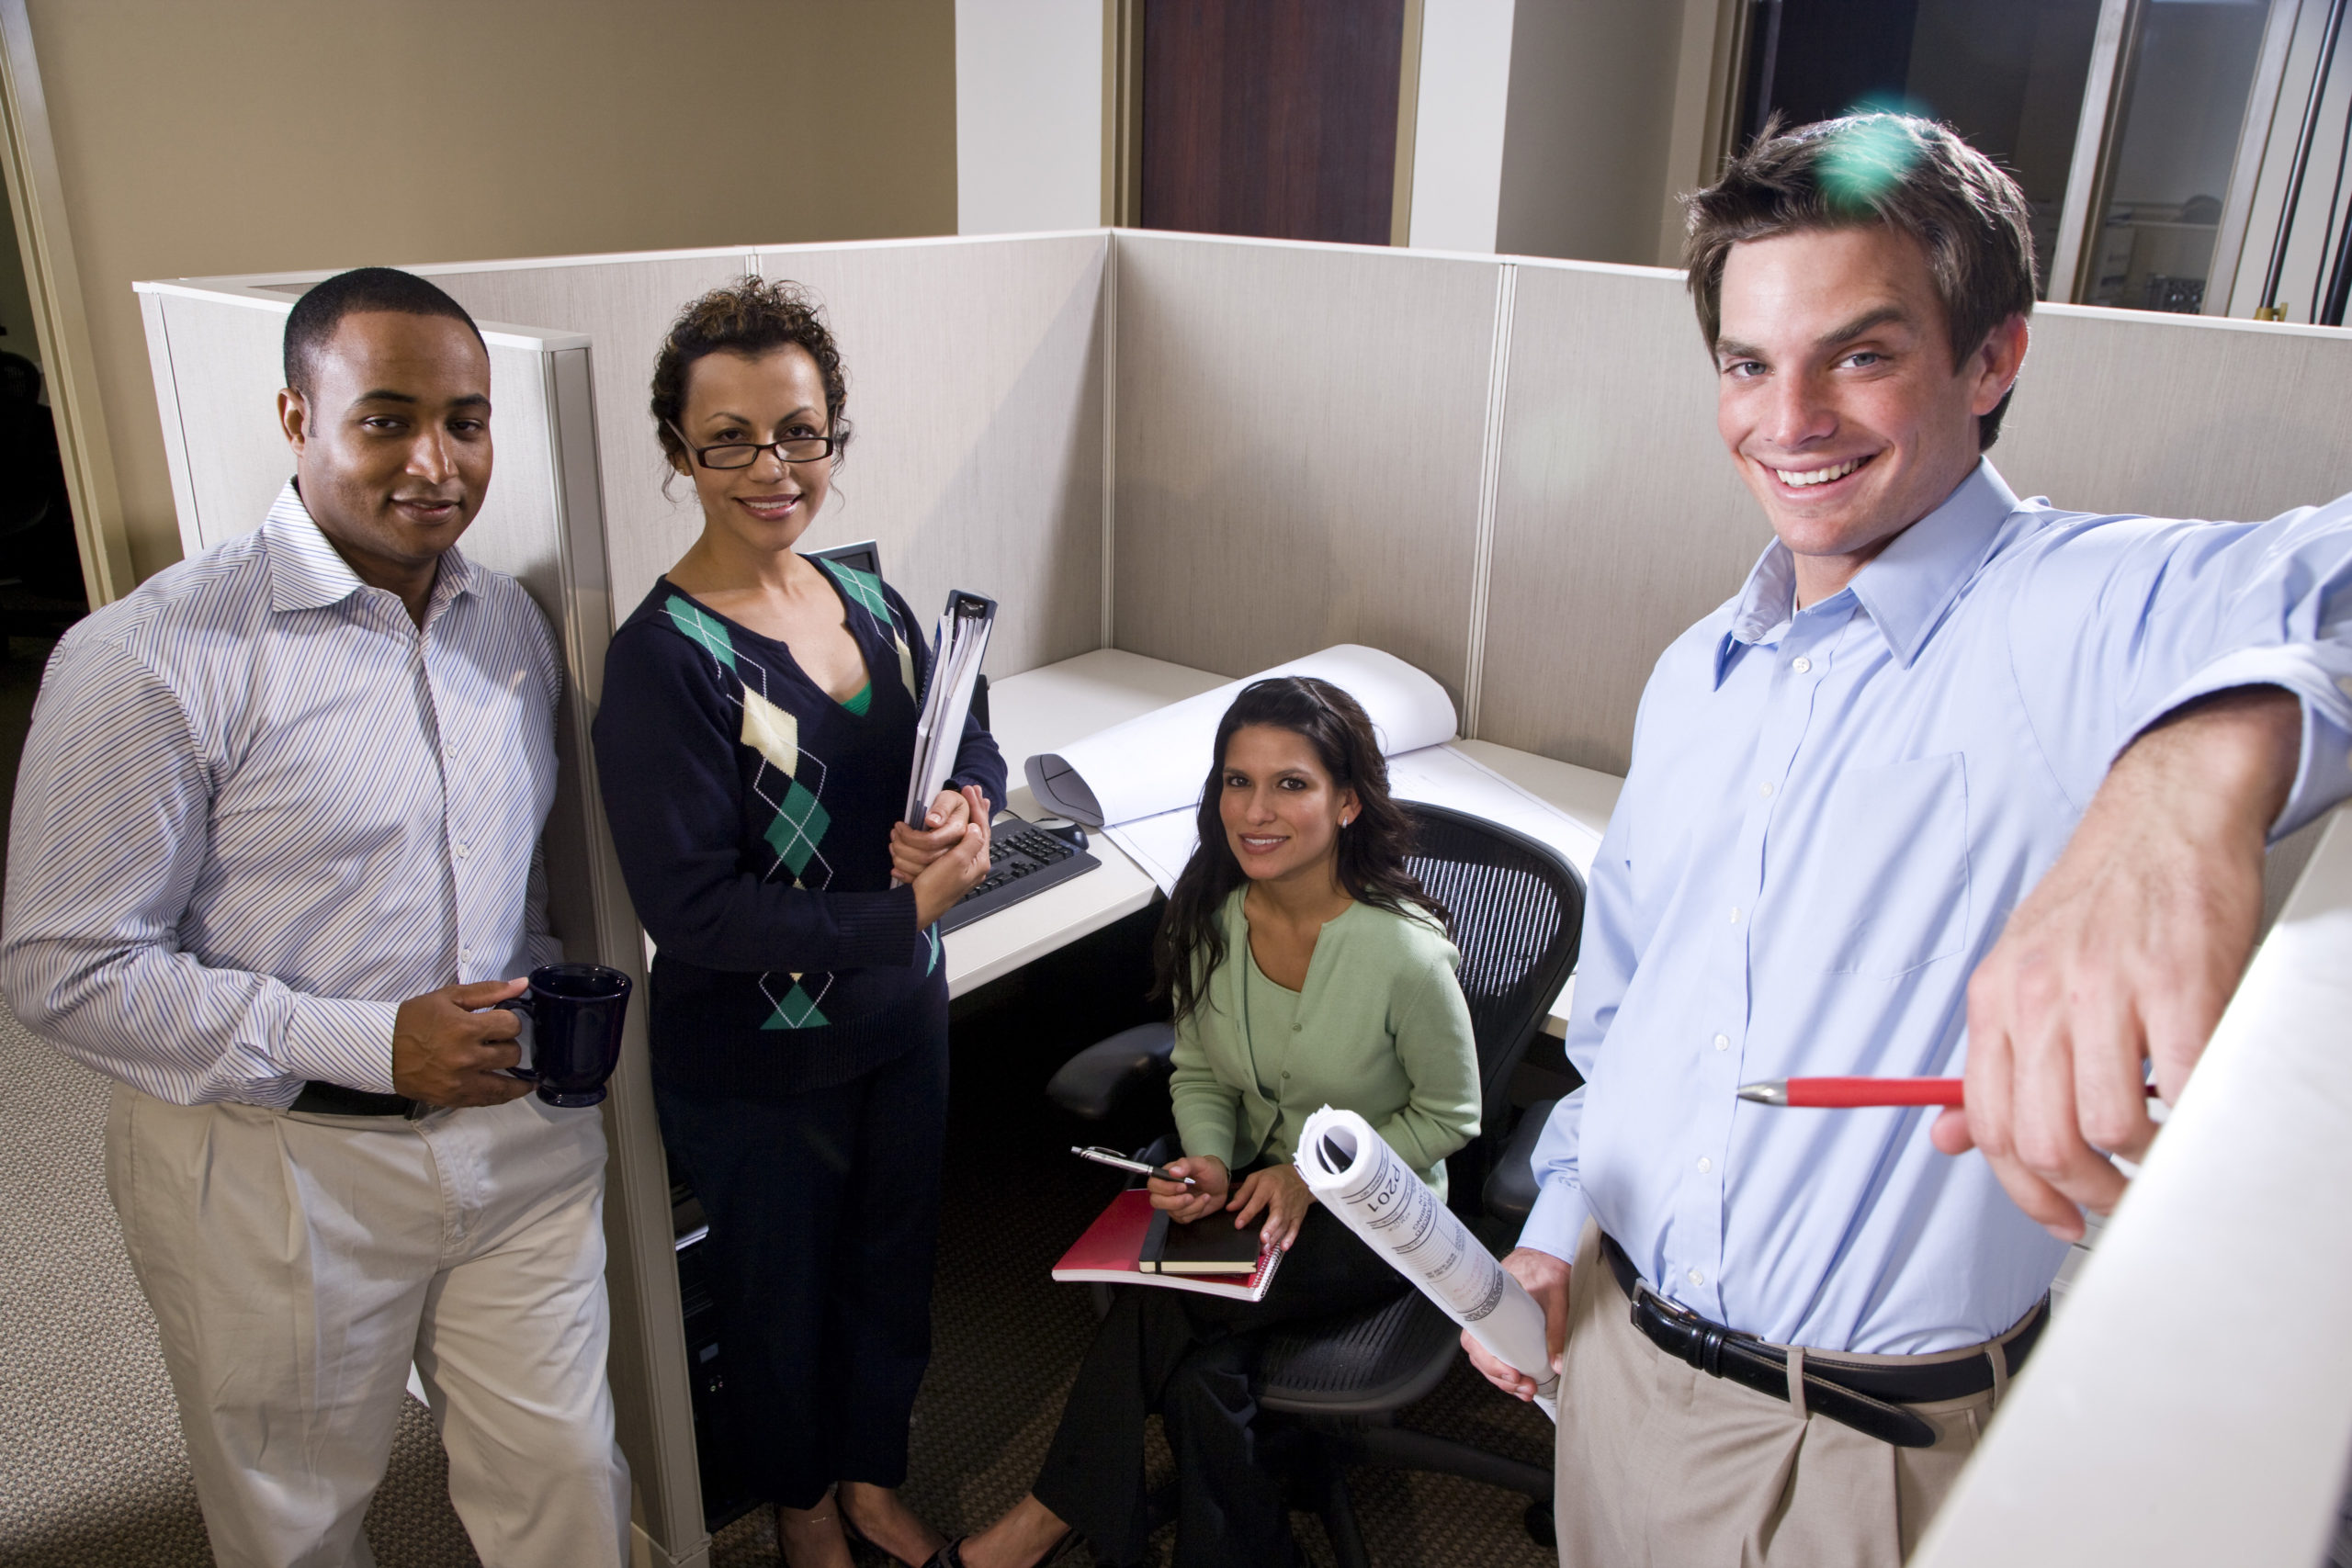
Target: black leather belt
column 321, row 1099
column 1866, row 1397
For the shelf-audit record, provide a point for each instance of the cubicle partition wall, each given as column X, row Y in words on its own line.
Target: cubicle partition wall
column 1507, row 471
column 1222, row 453
column 1300, row 436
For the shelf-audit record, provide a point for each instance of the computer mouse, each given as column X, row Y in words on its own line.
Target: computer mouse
column 1062, row 828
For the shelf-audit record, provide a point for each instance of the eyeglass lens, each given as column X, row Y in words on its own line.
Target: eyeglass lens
column 742, row 455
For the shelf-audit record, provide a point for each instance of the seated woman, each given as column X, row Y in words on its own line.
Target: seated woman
column 754, row 742
column 1305, row 968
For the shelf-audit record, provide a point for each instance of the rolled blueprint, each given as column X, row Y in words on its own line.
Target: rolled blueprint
column 1156, row 762
column 1354, row 1173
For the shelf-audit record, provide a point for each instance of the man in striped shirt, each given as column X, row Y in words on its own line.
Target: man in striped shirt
column 274, row 860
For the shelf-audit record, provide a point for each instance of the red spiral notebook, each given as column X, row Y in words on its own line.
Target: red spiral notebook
column 1110, row 1253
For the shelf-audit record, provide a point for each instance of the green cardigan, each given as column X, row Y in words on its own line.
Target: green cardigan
column 1382, row 1030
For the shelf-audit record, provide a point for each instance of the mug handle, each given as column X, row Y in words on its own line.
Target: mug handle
column 525, row 1039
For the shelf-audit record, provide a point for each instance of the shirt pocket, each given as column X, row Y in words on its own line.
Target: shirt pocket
column 1882, row 888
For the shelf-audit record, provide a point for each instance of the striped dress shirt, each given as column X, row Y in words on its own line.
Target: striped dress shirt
column 259, row 808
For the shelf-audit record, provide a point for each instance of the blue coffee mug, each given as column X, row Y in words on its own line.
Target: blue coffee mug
column 571, row 1038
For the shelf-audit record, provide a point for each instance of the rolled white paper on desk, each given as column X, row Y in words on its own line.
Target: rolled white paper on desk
column 1156, row 762
column 1353, row 1172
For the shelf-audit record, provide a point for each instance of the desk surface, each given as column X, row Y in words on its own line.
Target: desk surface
column 1046, row 708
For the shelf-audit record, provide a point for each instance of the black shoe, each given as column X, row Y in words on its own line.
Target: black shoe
column 948, row 1556
column 859, row 1537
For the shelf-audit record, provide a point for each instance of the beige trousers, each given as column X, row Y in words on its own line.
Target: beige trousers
column 297, row 1264
column 1659, row 1465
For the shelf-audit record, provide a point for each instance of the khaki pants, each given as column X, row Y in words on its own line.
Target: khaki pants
column 1661, row 1466
column 297, row 1264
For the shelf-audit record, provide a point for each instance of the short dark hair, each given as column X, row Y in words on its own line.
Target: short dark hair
column 1889, row 171
column 323, row 307
column 750, row 317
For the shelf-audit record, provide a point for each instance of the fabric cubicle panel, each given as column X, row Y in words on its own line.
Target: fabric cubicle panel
column 2179, row 416
column 976, row 390
column 1618, row 519
column 624, row 305
column 218, row 365
column 1299, row 438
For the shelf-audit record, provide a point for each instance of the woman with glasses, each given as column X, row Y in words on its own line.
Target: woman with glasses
column 754, row 742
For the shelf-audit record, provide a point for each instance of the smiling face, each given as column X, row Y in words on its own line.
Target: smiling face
column 1280, row 810
column 1837, row 395
column 769, row 397
column 392, row 441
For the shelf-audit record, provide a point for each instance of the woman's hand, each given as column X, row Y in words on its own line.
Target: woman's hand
column 911, row 848
column 1205, row 1196
column 954, row 874
column 1281, row 1192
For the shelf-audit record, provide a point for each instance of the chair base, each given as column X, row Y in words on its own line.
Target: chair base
column 1329, row 1449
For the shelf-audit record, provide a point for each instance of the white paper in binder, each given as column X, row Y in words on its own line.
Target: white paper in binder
column 1156, row 762
column 1354, row 1173
column 963, row 642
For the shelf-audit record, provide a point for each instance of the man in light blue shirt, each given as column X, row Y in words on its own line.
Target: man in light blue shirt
column 1955, row 779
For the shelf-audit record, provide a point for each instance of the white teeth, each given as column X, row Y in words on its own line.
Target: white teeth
column 1818, row 476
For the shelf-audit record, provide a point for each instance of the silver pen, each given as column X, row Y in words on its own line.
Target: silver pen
column 1113, row 1157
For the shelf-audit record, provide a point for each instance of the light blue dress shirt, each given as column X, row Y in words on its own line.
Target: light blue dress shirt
column 1829, row 816
column 259, row 808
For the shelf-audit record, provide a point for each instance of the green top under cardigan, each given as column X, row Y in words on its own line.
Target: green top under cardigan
column 1380, row 1029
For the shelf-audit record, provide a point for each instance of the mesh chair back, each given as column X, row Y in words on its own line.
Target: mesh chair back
column 1518, row 908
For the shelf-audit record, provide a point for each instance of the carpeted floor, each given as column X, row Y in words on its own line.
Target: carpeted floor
column 93, row 1471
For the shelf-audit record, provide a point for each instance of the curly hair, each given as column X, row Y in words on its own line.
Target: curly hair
column 1887, row 171
column 750, row 317
column 1190, row 942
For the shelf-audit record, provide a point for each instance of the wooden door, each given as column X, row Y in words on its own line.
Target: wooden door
column 1271, row 117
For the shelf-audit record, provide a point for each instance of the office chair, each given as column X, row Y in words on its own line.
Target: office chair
column 1518, row 911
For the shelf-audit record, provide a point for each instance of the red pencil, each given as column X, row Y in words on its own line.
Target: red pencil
column 1847, row 1094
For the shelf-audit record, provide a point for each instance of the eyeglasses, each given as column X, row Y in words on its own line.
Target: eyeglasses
column 743, row 454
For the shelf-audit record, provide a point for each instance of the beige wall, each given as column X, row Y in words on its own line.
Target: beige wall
column 1586, row 136
column 246, row 136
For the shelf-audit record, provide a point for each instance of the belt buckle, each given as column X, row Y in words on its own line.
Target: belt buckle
column 1703, row 1340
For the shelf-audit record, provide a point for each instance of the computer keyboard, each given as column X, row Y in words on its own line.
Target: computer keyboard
column 1024, row 860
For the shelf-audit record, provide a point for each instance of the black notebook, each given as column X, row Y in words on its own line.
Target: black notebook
column 1210, row 1245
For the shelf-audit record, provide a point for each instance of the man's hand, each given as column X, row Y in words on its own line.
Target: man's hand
column 911, row 848
column 1283, row 1193
column 1546, row 1279
column 447, row 1050
column 954, row 874
column 2125, row 952
column 1205, row 1196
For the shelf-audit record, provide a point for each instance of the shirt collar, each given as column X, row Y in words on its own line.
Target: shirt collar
column 1906, row 589
column 306, row 572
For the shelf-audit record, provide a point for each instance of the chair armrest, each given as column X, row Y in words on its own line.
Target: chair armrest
column 1107, row 1073
column 1511, row 1186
